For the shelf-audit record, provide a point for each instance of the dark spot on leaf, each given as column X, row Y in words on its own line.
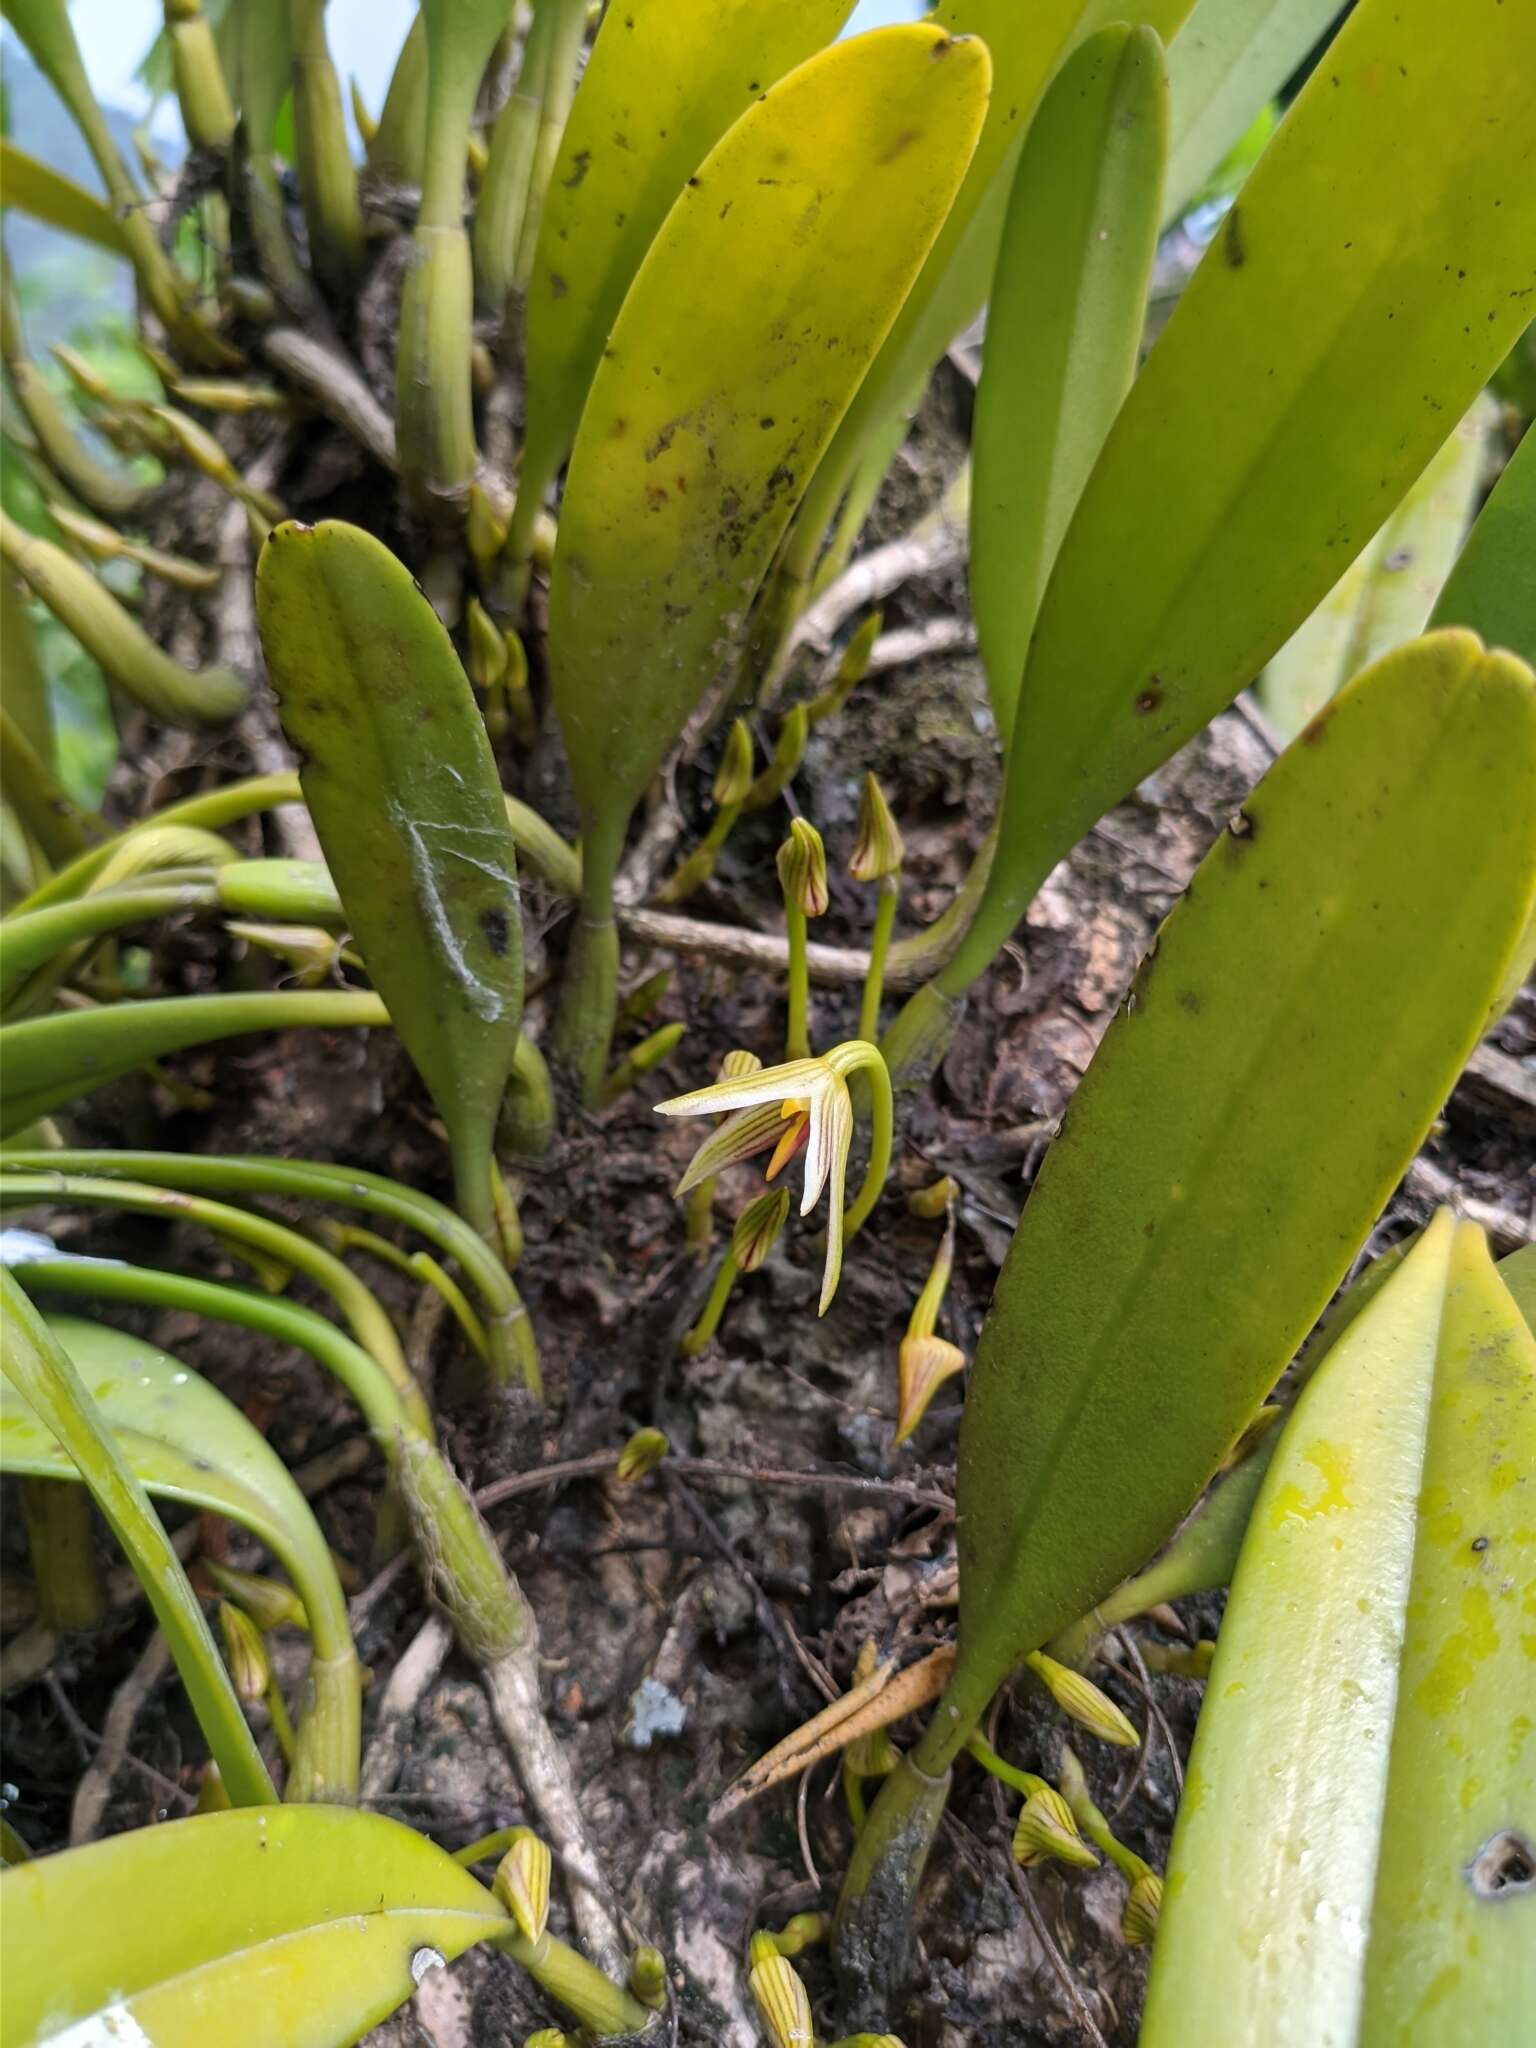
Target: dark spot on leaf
column 656, row 495
column 557, row 285
column 766, row 421
column 1232, row 247
column 1240, row 825
column 1191, row 999
column 619, row 429
column 1312, row 731
column 903, row 142
column 692, row 182
column 1149, row 699
column 494, row 924
column 1503, row 1868
column 1479, row 1543
column 662, row 442
column 581, row 163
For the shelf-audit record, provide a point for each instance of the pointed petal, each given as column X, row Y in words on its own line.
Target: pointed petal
column 926, row 1363
column 839, row 1129
column 798, row 1077
column 740, row 1136
column 794, row 1136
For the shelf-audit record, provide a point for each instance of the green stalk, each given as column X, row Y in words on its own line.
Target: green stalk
column 604, row 2008
column 46, row 1062
column 327, row 176
column 503, row 195
column 32, row 940
column 695, row 1340
column 637, row 1063
column 305, row 1180
column 589, row 989
column 417, row 1266
column 692, row 873
column 527, row 1121
column 398, row 146
column 113, row 495
column 797, row 1034
column 42, row 803
column 889, row 893
column 434, row 401
column 266, row 73
column 882, row 1128
column 557, row 89
column 359, row 1307
column 207, row 111
column 62, row 1551
column 41, row 1371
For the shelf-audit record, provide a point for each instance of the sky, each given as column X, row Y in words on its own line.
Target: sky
column 365, row 36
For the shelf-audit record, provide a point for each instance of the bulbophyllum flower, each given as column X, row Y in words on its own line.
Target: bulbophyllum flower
column 816, row 1089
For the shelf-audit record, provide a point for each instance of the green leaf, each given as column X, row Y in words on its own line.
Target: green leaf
column 287, row 1926
column 36, row 189
column 1518, row 1272
column 1492, row 588
column 396, row 151
column 665, row 79
column 1281, row 1054
column 46, row 1062
column 746, row 332
column 1385, row 596
column 1374, row 270
column 1064, row 328
column 185, row 1442
column 401, row 784
column 1354, row 1853
column 40, row 1369
column 1028, row 46
column 1230, row 60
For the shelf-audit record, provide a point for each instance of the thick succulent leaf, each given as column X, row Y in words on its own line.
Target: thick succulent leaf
column 1375, row 269
column 1231, row 58
column 1064, row 328
column 666, row 78
column 26, row 688
column 1302, row 1016
column 402, row 786
column 745, row 334
column 1492, row 588
column 48, row 1061
column 1028, row 45
column 36, row 189
column 1355, row 1856
column 37, row 1365
column 306, row 1922
column 186, row 1442
column 1518, row 1272
column 1385, row 596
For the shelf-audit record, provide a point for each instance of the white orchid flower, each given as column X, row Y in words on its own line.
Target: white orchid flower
column 813, row 1088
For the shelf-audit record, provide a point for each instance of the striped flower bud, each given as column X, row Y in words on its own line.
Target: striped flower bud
column 268, row 1602
column 1143, row 1904
column 757, row 1229
column 925, row 1364
column 1047, row 1828
column 733, row 778
column 549, row 2037
column 1082, row 1700
column 250, row 1668
column 522, row 1883
column 737, row 1065
column 783, row 2004
column 643, row 1453
column 487, row 662
column 803, row 869
column 878, row 848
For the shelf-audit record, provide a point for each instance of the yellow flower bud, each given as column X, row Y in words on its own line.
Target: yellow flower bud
column 1047, row 1828
column 878, row 849
column 925, row 1364
column 783, row 2004
column 1082, row 1699
column 522, row 1883
column 648, row 1977
column 757, row 1229
column 485, row 525
column 487, row 662
column 737, row 1065
column 250, row 1668
column 643, row 1453
column 933, row 1200
column 1143, row 1904
column 268, row 1602
column 803, row 869
column 733, row 778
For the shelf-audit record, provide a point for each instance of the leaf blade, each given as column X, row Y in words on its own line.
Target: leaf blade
column 1259, row 1096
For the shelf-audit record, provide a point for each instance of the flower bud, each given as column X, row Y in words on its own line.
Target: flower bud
column 487, row 662
column 803, row 869
column 933, row 1200
column 926, row 1363
column 1143, row 1904
column 549, row 2037
column 310, row 950
column 268, row 1602
column 850, row 670
column 762, row 1948
column 1047, row 1828
column 783, row 2004
column 737, row 1065
column 522, row 1883
column 878, row 848
column 733, row 778
column 648, row 1977
column 1082, row 1699
column 643, row 1453
column 485, row 525
column 245, row 1653
column 757, row 1229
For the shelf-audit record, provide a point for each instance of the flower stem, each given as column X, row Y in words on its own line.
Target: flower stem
column 879, row 946
column 882, row 1119
column 695, row 1339
column 797, row 1040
